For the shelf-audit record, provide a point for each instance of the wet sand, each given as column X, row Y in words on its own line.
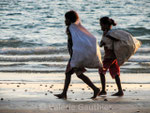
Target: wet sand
column 33, row 97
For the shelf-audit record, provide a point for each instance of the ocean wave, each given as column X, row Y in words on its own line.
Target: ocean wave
column 145, row 42
column 139, row 31
column 11, row 64
column 33, row 71
column 143, row 50
column 13, row 14
column 32, row 50
column 62, row 70
column 34, row 58
column 53, row 49
column 137, row 58
column 57, row 58
column 16, row 44
column 31, row 25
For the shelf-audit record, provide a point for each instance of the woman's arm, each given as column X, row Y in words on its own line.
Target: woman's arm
column 70, row 44
column 101, row 44
column 112, row 38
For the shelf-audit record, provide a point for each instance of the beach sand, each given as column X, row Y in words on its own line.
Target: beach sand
column 19, row 96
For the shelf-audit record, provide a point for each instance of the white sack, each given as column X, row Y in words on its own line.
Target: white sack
column 86, row 51
column 125, row 47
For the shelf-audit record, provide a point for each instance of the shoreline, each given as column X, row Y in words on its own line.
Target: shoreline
column 31, row 97
column 58, row 78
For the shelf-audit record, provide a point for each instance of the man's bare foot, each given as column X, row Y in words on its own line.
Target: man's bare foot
column 118, row 94
column 102, row 93
column 61, row 96
column 96, row 93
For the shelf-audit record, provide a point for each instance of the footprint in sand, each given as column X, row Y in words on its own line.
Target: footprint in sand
column 124, row 90
column 51, row 92
column 105, row 99
column 83, row 89
column 25, row 90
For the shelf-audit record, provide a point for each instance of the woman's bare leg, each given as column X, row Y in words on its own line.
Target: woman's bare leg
column 118, row 82
column 66, row 86
column 103, row 82
column 90, row 84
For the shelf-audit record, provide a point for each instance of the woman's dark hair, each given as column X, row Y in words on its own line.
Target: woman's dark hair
column 107, row 20
column 72, row 16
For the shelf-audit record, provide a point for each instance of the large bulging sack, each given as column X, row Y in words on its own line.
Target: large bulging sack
column 86, row 51
column 126, row 45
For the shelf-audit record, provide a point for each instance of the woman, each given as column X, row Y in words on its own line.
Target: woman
column 110, row 60
column 74, row 28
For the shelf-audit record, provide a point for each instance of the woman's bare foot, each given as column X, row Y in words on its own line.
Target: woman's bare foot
column 102, row 93
column 61, row 96
column 118, row 94
column 96, row 93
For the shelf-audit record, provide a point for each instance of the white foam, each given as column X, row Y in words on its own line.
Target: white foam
column 31, row 50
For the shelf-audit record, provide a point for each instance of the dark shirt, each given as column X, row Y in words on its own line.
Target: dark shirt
column 109, row 54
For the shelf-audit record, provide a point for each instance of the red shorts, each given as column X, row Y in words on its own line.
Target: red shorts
column 78, row 71
column 113, row 67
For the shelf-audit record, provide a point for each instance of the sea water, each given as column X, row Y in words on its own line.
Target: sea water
column 33, row 39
